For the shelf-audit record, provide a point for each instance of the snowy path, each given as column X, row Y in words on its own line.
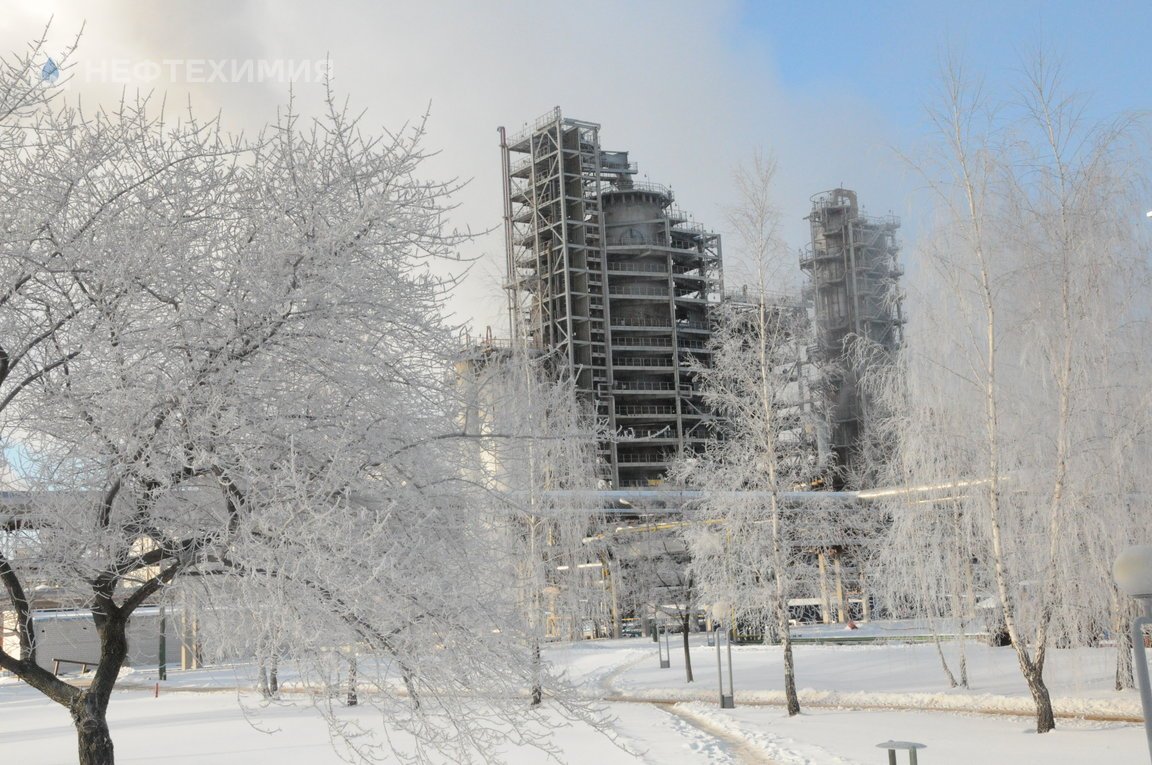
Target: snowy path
column 853, row 697
column 206, row 727
column 719, row 745
column 717, row 739
column 661, row 736
column 733, row 744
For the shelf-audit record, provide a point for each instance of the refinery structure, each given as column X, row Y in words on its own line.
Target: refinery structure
column 610, row 280
column 852, row 290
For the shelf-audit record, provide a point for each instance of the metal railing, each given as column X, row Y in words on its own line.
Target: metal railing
column 638, row 268
column 639, row 321
column 692, row 227
column 651, row 432
column 656, row 457
column 648, row 186
column 516, row 169
column 636, row 361
column 552, row 115
column 643, row 385
column 639, row 291
column 661, row 342
column 642, row 409
column 744, row 294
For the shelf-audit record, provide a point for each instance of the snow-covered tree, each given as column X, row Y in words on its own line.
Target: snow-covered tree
column 1020, row 415
column 534, row 452
column 744, row 545
column 234, row 388
column 657, row 582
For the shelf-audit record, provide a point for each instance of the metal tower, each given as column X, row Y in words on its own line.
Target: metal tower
column 615, row 283
column 853, row 273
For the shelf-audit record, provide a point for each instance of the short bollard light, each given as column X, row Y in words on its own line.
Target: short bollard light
column 893, row 746
column 663, row 650
column 1133, row 574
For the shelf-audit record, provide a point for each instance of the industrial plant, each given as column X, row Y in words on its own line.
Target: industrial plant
column 618, row 292
column 853, row 271
column 617, row 286
column 610, row 279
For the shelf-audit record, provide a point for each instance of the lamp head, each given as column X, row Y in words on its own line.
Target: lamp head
column 1133, row 571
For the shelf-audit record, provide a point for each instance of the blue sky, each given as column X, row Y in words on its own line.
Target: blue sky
column 835, row 90
column 889, row 51
column 890, row 55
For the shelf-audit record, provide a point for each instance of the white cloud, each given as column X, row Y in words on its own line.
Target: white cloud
column 662, row 78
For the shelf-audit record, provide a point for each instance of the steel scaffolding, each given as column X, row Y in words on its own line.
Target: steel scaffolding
column 852, row 289
column 612, row 281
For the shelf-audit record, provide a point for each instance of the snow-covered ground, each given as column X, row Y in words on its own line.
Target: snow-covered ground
column 855, row 696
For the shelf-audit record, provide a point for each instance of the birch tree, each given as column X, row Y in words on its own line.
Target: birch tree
column 535, row 455
column 1020, row 381
column 760, row 448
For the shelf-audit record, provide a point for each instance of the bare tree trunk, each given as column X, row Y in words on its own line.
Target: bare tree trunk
column 1045, row 718
column 1124, row 679
column 686, row 619
column 274, row 675
column 262, row 680
column 780, row 604
column 943, row 660
column 825, row 600
column 968, row 609
column 89, row 709
column 537, row 693
column 792, row 699
column 410, row 684
column 93, row 737
column 352, row 699
column 1120, row 628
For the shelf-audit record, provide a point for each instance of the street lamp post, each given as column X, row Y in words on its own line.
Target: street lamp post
column 1133, row 574
column 162, row 649
column 727, row 700
column 720, row 614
